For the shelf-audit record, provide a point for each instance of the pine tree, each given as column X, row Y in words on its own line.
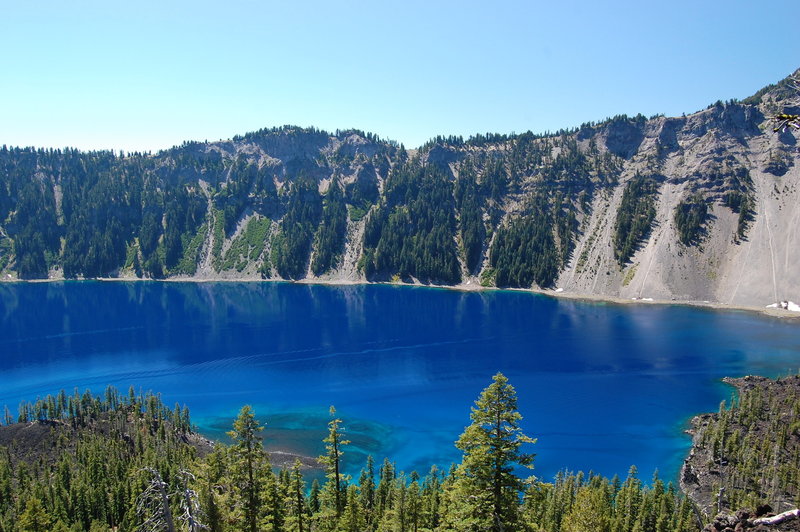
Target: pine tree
column 213, row 498
column 487, row 489
column 353, row 517
column 431, row 498
column 34, row 518
column 592, row 511
column 314, row 504
column 366, row 483
column 296, row 500
column 250, row 464
column 383, row 495
column 336, row 485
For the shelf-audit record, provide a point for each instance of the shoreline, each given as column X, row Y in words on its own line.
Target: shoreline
column 679, row 427
column 462, row 287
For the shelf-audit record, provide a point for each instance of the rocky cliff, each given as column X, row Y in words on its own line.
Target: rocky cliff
column 702, row 207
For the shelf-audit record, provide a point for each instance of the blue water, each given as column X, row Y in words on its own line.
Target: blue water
column 601, row 386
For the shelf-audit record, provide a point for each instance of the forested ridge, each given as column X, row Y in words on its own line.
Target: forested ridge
column 515, row 210
column 428, row 215
column 127, row 462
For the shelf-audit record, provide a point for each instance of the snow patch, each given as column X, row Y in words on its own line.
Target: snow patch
column 786, row 305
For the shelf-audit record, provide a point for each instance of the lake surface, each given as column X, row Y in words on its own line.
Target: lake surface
column 602, row 386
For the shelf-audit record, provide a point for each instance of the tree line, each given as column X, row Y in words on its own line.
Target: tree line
column 128, row 463
column 506, row 208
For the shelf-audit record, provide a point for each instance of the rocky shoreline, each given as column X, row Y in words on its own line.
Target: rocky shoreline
column 745, row 455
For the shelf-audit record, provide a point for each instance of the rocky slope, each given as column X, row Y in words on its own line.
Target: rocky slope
column 704, row 207
column 748, row 453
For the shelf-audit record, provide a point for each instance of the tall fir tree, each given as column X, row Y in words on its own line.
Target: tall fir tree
column 250, row 466
column 336, row 487
column 295, row 502
column 486, row 492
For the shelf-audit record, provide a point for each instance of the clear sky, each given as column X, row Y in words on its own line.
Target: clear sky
column 147, row 75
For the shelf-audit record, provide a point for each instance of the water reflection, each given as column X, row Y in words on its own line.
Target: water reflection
column 602, row 386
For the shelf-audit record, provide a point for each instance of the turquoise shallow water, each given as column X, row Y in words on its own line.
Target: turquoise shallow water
column 601, row 386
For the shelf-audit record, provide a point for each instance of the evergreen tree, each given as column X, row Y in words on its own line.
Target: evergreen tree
column 336, row 486
column 213, row 499
column 487, row 488
column 366, row 483
column 690, row 217
column 635, row 216
column 627, row 502
column 431, row 499
column 250, row 465
column 592, row 511
column 34, row 518
column 330, row 236
column 353, row 517
column 296, row 501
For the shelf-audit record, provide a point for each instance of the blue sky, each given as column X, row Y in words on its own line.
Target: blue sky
column 147, row 75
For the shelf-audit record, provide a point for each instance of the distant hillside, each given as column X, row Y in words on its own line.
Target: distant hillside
column 700, row 207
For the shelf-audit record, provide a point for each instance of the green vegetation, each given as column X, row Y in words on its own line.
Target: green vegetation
column 629, row 275
column 577, row 503
column 411, row 232
column 291, row 246
column 129, row 463
column 330, row 236
column 191, row 251
column 525, row 250
column 748, row 453
column 741, row 203
column 486, row 488
column 362, row 194
column 471, row 225
column 184, row 219
column 690, row 219
column 5, row 252
column 512, row 203
column 488, row 277
column 248, row 246
column 635, row 216
column 91, row 460
column 218, row 238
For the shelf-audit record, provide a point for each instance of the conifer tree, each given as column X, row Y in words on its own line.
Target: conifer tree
column 592, row 511
column 296, row 500
column 383, row 495
column 314, row 504
column 431, row 498
column 627, row 502
column 250, row 465
column 272, row 498
column 353, row 517
column 366, row 483
column 487, row 488
column 34, row 518
column 336, row 486
column 213, row 498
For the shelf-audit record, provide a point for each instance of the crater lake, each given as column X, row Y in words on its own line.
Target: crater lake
column 602, row 386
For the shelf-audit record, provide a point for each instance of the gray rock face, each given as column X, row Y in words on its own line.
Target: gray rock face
column 700, row 154
column 723, row 155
